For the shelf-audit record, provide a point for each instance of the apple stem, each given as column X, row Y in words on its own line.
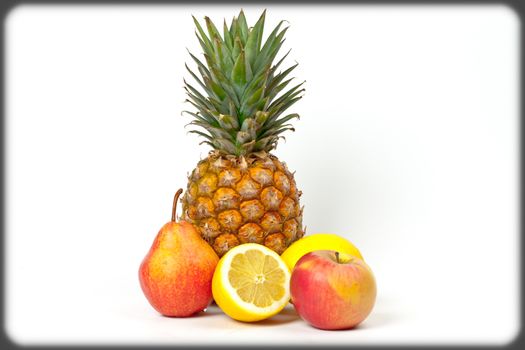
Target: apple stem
column 337, row 257
column 174, row 208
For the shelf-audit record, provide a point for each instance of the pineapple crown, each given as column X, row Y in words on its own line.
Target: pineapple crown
column 241, row 112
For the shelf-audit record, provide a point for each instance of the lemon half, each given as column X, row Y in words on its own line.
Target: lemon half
column 251, row 283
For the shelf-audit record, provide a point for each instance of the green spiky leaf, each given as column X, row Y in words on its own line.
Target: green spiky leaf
column 239, row 94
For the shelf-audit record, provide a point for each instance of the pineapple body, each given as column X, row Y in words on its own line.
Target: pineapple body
column 241, row 193
column 234, row 200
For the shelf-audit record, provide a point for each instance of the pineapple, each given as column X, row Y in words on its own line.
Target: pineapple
column 241, row 192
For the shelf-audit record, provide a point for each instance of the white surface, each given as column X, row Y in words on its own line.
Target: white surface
column 408, row 145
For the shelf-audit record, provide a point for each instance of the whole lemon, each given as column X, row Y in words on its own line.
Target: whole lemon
column 318, row 241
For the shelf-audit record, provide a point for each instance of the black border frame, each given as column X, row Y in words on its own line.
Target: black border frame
column 7, row 5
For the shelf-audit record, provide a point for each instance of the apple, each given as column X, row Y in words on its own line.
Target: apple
column 177, row 272
column 332, row 290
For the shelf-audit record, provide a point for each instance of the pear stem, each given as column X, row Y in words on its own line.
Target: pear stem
column 174, row 208
column 337, row 257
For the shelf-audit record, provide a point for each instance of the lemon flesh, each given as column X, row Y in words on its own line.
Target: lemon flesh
column 251, row 283
column 318, row 241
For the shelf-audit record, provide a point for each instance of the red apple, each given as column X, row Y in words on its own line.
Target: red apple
column 332, row 290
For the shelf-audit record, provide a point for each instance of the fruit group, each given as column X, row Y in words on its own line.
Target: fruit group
column 241, row 193
column 332, row 290
column 318, row 241
column 251, row 283
column 177, row 272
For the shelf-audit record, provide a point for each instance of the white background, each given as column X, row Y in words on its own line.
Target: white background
column 407, row 145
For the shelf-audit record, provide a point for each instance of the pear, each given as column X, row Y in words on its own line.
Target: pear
column 177, row 272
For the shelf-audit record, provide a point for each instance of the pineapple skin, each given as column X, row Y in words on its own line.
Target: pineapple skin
column 233, row 200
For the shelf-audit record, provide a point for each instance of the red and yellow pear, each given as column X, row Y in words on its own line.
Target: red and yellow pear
column 177, row 272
